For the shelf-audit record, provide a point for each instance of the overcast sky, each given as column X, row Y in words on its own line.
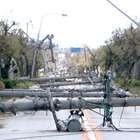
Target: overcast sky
column 87, row 22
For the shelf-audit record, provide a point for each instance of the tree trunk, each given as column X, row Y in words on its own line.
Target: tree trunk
column 136, row 72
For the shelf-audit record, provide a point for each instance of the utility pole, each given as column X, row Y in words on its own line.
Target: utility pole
column 35, row 50
column 50, row 37
column 50, row 40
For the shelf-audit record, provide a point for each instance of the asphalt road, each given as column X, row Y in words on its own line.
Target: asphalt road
column 33, row 125
column 127, row 123
column 40, row 125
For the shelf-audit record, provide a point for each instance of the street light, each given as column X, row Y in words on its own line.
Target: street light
column 42, row 21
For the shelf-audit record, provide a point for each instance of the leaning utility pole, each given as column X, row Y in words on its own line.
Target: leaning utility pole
column 124, row 13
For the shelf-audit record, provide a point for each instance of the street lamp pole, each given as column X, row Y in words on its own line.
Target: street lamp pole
column 42, row 21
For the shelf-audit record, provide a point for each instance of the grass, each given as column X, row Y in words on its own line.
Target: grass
column 131, row 85
column 135, row 90
column 24, row 85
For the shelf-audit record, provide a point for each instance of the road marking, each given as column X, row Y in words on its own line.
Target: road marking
column 89, row 126
column 89, row 131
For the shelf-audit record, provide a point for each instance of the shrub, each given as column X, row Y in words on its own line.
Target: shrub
column 9, row 83
column 135, row 82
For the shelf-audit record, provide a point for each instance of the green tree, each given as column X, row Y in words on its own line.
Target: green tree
column 122, row 53
column 14, row 45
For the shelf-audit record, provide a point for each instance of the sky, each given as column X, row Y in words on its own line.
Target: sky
column 89, row 22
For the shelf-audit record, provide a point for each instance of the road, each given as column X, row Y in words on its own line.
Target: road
column 33, row 125
column 30, row 125
column 128, row 126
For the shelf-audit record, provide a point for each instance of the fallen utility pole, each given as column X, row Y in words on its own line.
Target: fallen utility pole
column 66, row 84
column 84, row 89
column 75, row 101
column 47, row 79
column 44, row 94
column 63, row 104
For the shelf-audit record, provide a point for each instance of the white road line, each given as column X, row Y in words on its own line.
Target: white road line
column 89, row 129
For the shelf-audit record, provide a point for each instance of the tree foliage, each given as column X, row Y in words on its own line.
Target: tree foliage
column 121, row 53
column 76, row 62
column 14, row 50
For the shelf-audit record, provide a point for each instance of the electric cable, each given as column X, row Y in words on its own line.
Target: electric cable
column 121, row 116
